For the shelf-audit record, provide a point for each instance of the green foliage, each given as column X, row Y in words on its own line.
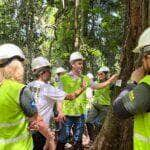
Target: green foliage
column 45, row 28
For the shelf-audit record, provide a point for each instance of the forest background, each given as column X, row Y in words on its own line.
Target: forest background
column 104, row 31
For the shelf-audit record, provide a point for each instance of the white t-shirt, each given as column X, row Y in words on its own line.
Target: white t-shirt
column 45, row 95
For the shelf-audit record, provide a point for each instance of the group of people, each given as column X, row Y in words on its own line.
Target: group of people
column 27, row 110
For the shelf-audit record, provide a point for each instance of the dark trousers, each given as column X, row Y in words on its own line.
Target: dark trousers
column 38, row 140
column 95, row 120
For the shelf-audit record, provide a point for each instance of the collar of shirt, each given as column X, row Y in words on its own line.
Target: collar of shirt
column 73, row 75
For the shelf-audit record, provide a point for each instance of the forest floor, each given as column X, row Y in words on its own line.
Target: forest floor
column 85, row 142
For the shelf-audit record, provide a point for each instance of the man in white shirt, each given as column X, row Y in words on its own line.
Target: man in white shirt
column 45, row 95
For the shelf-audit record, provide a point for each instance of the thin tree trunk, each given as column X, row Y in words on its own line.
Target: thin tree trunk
column 148, row 13
column 84, row 20
column 76, row 37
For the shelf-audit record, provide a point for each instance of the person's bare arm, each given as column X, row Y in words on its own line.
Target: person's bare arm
column 37, row 123
column 76, row 93
column 106, row 83
column 29, row 108
column 137, row 74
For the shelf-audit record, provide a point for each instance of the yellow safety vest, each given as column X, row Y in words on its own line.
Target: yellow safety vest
column 142, row 126
column 14, row 134
column 102, row 96
column 77, row 106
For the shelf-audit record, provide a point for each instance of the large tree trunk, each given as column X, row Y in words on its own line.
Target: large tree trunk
column 117, row 134
column 138, row 21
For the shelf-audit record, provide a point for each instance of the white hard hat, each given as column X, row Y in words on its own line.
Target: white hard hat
column 60, row 70
column 90, row 75
column 103, row 69
column 10, row 50
column 75, row 56
column 39, row 62
column 144, row 40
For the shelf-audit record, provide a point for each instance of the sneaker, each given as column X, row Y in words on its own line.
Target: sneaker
column 68, row 145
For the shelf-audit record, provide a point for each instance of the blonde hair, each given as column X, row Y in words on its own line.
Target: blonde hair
column 13, row 71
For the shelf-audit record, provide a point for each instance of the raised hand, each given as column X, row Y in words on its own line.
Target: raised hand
column 137, row 74
column 113, row 78
column 84, row 84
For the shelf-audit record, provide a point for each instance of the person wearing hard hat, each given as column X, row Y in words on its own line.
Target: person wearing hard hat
column 134, row 100
column 45, row 95
column 89, row 96
column 89, row 91
column 90, row 76
column 59, row 72
column 101, row 102
column 17, row 105
column 74, row 110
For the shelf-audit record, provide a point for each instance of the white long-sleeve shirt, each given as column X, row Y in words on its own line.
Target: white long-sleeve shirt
column 45, row 95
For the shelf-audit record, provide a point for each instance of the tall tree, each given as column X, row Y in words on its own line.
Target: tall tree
column 137, row 22
column 76, row 28
column 115, row 133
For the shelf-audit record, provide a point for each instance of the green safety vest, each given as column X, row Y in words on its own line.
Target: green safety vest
column 142, row 126
column 14, row 134
column 102, row 97
column 77, row 106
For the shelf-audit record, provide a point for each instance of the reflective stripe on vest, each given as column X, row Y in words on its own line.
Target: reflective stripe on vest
column 142, row 126
column 14, row 140
column 11, row 124
column 142, row 138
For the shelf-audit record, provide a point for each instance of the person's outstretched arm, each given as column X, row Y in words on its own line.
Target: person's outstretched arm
column 106, row 83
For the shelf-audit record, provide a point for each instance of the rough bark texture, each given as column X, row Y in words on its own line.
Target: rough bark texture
column 76, row 38
column 84, row 19
column 108, row 136
column 137, row 22
column 117, row 134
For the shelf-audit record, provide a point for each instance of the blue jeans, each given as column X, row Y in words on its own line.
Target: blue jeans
column 72, row 122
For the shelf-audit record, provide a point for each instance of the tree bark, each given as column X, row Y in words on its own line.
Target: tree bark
column 148, row 13
column 76, row 36
column 84, row 20
column 117, row 134
column 137, row 22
